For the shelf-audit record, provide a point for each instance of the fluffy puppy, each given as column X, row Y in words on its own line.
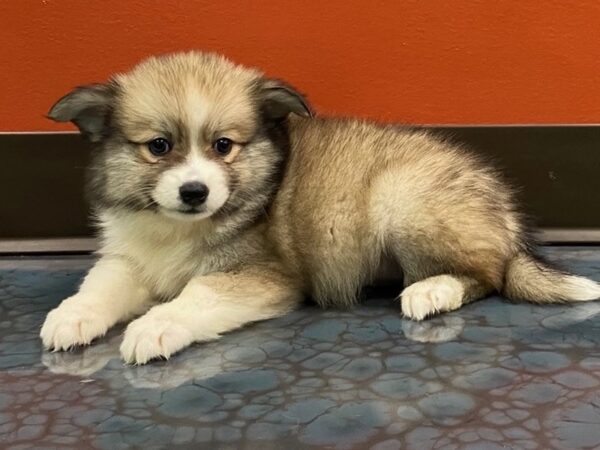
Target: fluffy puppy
column 221, row 201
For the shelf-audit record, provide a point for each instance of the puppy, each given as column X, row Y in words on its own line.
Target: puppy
column 221, row 201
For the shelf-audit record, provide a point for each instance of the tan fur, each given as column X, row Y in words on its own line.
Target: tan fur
column 373, row 190
column 315, row 207
column 234, row 152
column 159, row 89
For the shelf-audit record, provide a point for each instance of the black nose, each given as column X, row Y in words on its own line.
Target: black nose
column 193, row 193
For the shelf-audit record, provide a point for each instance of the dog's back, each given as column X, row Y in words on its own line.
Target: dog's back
column 361, row 193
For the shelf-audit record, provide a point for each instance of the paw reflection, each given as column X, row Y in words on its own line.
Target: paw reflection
column 103, row 361
column 170, row 374
column 441, row 329
column 265, row 345
column 83, row 361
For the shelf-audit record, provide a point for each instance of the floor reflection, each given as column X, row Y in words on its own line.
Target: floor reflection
column 491, row 374
column 192, row 363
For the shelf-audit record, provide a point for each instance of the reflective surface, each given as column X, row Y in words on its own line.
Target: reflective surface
column 491, row 375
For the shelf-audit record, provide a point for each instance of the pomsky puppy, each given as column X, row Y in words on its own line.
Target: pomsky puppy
column 221, row 201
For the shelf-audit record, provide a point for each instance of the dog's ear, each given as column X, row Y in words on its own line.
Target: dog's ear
column 88, row 107
column 280, row 99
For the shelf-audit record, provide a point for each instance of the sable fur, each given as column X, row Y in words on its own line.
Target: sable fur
column 302, row 206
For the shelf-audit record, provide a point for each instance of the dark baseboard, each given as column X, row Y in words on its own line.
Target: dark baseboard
column 555, row 167
column 88, row 245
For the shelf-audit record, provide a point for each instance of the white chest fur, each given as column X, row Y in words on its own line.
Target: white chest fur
column 165, row 253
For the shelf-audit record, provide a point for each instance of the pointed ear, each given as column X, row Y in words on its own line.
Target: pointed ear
column 280, row 99
column 87, row 107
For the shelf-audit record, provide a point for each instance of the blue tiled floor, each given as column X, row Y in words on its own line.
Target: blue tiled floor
column 491, row 375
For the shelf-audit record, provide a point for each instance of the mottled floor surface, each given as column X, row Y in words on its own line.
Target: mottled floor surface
column 492, row 375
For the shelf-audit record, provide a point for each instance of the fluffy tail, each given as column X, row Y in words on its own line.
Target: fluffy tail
column 529, row 278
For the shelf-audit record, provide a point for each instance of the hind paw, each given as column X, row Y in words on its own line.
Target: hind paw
column 432, row 296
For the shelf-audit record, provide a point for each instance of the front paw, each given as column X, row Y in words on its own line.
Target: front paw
column 152, row 336
column 72, row 324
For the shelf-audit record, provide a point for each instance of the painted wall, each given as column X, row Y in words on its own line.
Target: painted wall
column 415, row 61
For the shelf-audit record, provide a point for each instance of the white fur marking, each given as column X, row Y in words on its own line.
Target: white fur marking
column 154, row 336
column 431, row 296
column 109, row 294
column 195, row 169
column 73, row 323
column 581, row 289
column 170, row 327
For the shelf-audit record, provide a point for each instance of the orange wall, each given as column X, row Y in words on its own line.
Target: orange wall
column 417, row 61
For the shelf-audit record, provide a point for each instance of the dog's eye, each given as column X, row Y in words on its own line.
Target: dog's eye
column 159, row 146
column 223, row 146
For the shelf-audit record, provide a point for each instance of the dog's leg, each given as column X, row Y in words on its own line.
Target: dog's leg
column 109, row 294
column 207, row 307
column 440, row 293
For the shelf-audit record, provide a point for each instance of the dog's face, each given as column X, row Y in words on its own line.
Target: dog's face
column 187, row 135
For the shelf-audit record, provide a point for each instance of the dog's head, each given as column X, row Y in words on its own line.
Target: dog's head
column 187, row 135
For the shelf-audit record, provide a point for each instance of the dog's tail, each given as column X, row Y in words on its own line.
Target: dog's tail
column 531, row 279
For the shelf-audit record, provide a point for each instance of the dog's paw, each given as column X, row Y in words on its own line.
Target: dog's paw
column 151, row 337
column 71, row 325
column 431, row 296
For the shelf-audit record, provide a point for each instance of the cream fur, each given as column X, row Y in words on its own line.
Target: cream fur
column 109, row 294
